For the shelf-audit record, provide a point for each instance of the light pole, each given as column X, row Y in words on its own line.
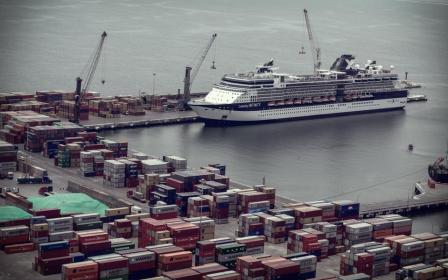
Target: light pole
column 153, row 83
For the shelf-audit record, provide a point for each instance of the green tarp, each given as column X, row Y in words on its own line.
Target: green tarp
column 9, row 213
column 69, row 203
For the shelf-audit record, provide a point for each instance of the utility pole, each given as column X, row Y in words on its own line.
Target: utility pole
column 153, row 83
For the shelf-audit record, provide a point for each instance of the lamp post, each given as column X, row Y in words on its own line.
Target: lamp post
column 153, row 83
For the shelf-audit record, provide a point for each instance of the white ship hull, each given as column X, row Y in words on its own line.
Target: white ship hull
column 311, row 111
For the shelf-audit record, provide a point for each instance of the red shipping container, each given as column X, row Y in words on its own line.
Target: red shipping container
column 7, row 240
column 48, row 213
column 42, row 233
column 175, row 266
column 19, row 248
column 112, row 263
column 100, row 236
column 52, row 266
column 92, row 247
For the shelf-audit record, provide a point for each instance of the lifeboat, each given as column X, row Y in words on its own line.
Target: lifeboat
column 280, row 102
column 297, row 101
column 332, row 98
column 271, row 104
column 289, row 102
column 307, row 100
column 324, row 99
column 355, row 96
column 317, row 99
column 347, row 98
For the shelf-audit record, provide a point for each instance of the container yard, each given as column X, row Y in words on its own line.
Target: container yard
column 146, row 216
column 78, row 206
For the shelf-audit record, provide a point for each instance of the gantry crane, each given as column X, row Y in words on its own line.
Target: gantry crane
column 91, row 68
column 314, row 47
column 191, row 72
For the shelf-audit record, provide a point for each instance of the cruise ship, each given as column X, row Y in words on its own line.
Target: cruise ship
column 267, row 95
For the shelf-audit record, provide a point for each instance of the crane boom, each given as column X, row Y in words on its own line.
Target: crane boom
column 191, row 72
column 94, row 64
column 314, row 48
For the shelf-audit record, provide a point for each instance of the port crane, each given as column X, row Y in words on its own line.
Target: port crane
column 191, row 72
column 314, row 47
column 91, row 68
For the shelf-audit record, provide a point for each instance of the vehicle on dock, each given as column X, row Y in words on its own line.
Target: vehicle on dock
column 5, row 190
column 34, row 180
column 46, row 191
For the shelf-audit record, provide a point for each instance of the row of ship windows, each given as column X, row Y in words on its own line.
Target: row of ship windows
column 288, row 110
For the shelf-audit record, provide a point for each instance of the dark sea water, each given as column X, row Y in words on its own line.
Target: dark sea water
column 46, row 44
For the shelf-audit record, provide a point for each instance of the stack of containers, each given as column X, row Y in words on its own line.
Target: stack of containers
column 216, row 186
column 80, row 270
column 275, row 230
column 178, row 185
column 381, row 228
column 141, row 264
column 324, row 243
column 307, row 215
column 10, row 236
column 114, row 174
column 371, row 258
column 63, row 157
column 226, row 254
column 162, row 212
column 330, row 232
column 175, row 162
column 206, row 227
column 94, row 242
column 75, row 154
column 250, row 268
column 198, row 207
column 220, row 208
column 98, row 164
column 434, row 246
column 270, row 194
column 233, row 202
column 182, row 201
column 112, row 146
column 358, row 233
column 174, row 261
column 250, row 225
column 131, row 173
column 401, row 225
column 205, row 252
column 154, row 166
column 252, row 201
column 254, row 244
column 300, row 241
column 87, row 221
column 346, row 209
column 87, row 164
column 8, row 158
column 328, row 210
column 191, row 178
column 289, row 222
column 185, row 235
column 280, row 268
column 51, row 256
column 307, row 266
column 406, row 250
column 151, row 231
column 120, row 228
column 163, row 193
column 113, row 268
column 51, row 148
column 60, row 229
column 39, row 229
column 147, row 184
